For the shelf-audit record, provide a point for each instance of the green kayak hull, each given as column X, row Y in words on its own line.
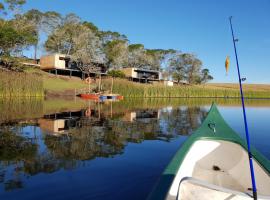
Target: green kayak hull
column 214, row 127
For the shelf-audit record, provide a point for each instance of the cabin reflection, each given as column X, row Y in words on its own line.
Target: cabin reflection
column 60, row 123
column 142, row 115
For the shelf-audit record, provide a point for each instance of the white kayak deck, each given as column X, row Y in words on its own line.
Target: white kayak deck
column 218, row 170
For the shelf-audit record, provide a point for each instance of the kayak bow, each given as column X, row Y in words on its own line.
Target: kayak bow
column 213, row 164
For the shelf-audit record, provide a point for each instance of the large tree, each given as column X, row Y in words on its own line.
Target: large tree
column 117, row 53
column 205, row 76
column 15, row 35
column 176, row 68
column 76, row 40
column 137, row 56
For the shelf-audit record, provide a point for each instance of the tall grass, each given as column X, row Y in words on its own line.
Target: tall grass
column 20, row 84
column 131, row 89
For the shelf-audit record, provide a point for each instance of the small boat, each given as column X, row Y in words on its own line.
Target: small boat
column 101, row 96
column 213, row 164
column 93, row 96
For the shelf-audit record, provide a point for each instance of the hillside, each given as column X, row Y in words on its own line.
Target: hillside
column 56, row 86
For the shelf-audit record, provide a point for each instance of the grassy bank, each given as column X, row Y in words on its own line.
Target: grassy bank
column 34, row 82
column 130, row 89
column 14, row 84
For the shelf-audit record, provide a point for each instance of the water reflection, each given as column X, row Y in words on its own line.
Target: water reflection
column 69, row 138
column 45, row 137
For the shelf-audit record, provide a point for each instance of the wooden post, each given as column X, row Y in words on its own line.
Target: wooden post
column 112, row 85
column 99, row 84
column 88, row 78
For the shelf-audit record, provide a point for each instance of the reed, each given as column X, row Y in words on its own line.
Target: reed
column 131, row 89
column 20, row 84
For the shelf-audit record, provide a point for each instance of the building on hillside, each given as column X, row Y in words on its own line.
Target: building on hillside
column 141, row 75
column 62, row 65
column 168, row 83
column 54, row 61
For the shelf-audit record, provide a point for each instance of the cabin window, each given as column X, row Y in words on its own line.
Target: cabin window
column 62, row 58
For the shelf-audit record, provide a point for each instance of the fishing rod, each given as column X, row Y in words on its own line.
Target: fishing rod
column 254, row 189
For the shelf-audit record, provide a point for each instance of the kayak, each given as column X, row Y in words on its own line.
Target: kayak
column 213, row 164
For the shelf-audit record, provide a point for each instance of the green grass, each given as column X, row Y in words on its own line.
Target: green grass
column 17, row 84
column 35, row 82
column 131, row 89
column 62, row 83
column 57, row 83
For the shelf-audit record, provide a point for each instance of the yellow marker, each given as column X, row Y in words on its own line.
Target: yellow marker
column 227, row 63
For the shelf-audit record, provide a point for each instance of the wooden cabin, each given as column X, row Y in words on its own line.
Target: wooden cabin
column 54, row 61
column 141, row 75
column 60, row 64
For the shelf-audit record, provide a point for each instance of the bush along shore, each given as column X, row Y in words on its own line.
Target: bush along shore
column 131, row 89
column 20, row 84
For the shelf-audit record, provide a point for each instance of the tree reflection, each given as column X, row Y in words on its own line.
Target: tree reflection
column 73, row 137
column 14, row 150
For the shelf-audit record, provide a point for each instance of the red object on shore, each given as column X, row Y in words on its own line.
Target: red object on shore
column 90, row 96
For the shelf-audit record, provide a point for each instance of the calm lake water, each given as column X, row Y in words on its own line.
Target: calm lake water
column 74, row 149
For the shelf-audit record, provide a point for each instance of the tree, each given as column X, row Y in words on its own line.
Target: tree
column 15, row 35
column 117, row 53
column 155, row 57
column 35, row 17
column 12, row 4
column 91, row 26
column 51, row 21
column 177, row 68
column 76, row 40
column 137, row 56
column 109, row 36
column 205, row 76
column 188, row 67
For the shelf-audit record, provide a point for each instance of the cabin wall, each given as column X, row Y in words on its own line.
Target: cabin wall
column 52, row 62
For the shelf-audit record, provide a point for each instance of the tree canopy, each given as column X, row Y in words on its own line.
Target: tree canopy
column 83, row 41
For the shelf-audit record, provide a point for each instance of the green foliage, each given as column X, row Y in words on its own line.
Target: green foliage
column 108, row 36
column 76, row 40
column 178, row 76
column 91, row 26
column 15, row 35
column 133, row 47
column 117, row 52
column 116, row 74
column 20, row 84
column 131, row 89
column 12, row 4
column 206, row 76
column 84, row 42
column 188, row 67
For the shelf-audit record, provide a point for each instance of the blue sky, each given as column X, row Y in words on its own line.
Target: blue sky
column 194, row 26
